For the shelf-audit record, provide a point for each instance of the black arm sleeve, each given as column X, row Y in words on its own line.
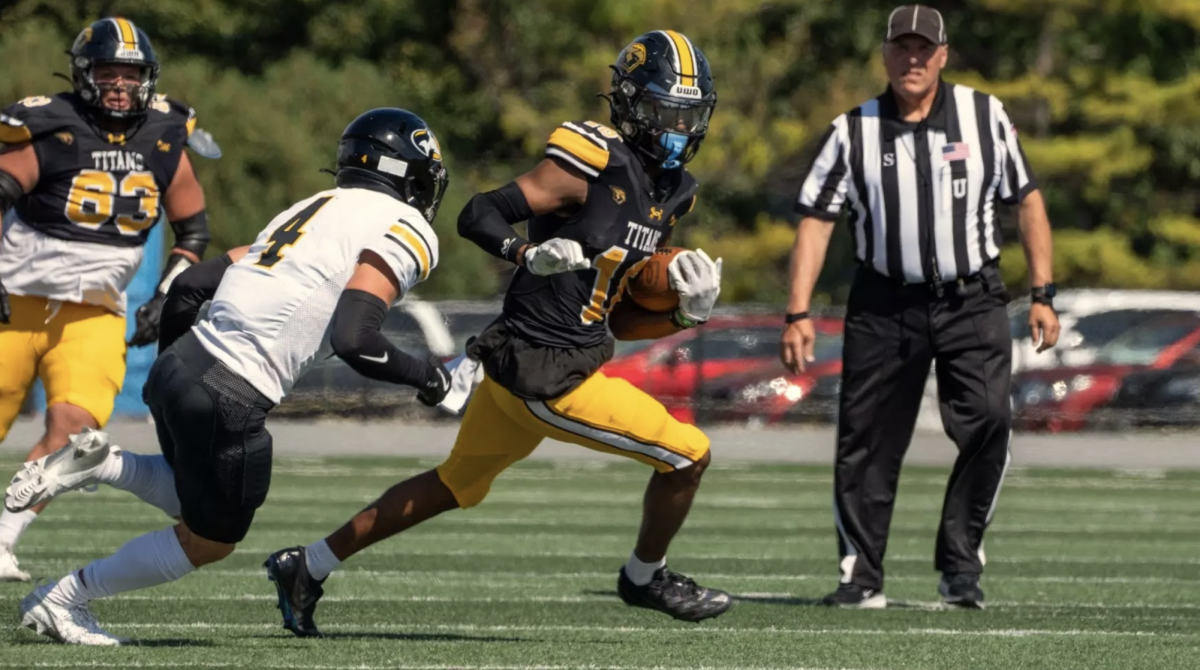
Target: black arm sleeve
column 10, row 191
column 488, row 218
column 191, row 234
column 185, row 297
column 357, row 341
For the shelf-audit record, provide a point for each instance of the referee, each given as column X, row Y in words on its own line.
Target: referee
column 921, row 168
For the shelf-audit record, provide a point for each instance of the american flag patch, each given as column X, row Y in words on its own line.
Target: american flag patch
column 959, row 151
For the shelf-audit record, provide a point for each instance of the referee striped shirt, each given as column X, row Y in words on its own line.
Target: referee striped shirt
column 922, row 196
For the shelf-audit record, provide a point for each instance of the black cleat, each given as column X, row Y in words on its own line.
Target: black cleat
column 961, row 589
column 674, row 594
column 298, row 591
column 853, row 596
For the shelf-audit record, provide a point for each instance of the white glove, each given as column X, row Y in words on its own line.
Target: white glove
column 697, row 280
column 554, row 256
column 466, row 373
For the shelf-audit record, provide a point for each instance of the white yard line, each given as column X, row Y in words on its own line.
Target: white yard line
column 423, row 666
column 656, row 630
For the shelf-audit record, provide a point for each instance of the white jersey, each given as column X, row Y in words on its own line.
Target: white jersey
column 271, row 313
column 36, row 264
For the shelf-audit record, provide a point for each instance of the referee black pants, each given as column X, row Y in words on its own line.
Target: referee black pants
column 892, row 334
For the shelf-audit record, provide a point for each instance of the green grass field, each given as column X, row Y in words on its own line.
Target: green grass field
column 1088, row 570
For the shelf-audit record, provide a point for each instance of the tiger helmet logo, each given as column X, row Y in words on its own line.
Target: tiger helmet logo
column 427, row 143
column 635, row 57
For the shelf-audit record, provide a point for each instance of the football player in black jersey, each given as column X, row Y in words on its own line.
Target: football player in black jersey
column 599, row 204
column 84, row 176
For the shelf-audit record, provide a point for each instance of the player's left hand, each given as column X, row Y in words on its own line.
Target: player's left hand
column 1043, row 326
column 148, row 316
column 438, row 385
column 697, row 280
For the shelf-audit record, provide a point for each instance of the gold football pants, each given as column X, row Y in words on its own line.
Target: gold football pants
column 79, row 353
column 603, row 413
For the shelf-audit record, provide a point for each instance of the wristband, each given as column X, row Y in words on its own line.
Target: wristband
column 793, row 318
column 681, row 321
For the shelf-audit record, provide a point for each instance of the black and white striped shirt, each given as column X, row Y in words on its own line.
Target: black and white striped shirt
column 920, row 191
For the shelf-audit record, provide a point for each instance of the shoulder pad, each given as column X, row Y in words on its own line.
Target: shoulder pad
column 198, row 139
column 35, row 116
column 584, row 144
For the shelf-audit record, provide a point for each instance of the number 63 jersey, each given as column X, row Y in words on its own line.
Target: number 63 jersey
column 78, row 236
column 270, row 316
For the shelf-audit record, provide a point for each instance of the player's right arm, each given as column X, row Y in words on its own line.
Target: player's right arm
column 19, row 173
column 559, row 183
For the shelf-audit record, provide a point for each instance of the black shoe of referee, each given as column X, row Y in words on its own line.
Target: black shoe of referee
column 298, row 591
column 961, row 589
column 674, row 594
column 853, row 596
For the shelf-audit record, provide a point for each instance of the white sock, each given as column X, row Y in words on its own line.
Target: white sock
column 12, row 524
column 641, row 573
column 148, row 477
column 152, row 559
column 320, row 559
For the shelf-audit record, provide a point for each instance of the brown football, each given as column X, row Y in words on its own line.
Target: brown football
column 651, row 288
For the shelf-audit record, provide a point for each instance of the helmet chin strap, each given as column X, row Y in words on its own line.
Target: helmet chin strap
column 675, row 144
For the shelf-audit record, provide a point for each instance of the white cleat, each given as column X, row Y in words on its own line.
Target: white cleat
column 10, row 570
column 68, row 625
column 75, row 466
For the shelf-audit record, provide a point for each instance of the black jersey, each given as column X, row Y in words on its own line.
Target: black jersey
column 552, row 333
column 619, row 227
column 96, row 186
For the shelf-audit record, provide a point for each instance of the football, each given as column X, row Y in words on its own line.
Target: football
column 651, row 288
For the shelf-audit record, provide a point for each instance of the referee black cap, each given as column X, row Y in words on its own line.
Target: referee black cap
column 917, row 20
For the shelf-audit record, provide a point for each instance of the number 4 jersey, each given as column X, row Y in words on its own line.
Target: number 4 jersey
column 78, row 236
column 270, row 315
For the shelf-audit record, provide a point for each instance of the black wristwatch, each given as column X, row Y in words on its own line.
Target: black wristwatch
column 1043, row 295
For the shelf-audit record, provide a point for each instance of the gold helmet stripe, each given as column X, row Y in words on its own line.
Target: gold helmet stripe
column 128, row 34
column 686, row 57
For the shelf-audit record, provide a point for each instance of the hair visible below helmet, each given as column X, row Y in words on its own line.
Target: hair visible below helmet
column 662, row 97
column 397, row 150
column 114, row 40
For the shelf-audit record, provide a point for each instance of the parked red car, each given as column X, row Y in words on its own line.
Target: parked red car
column 673, row 368
column 773, row 395
column 1062, row 399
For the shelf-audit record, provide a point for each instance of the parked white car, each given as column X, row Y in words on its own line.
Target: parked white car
column 1090, row 318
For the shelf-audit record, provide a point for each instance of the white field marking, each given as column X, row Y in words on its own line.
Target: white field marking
column 423, row 666
column 930, row 605
column 584, row 544
column 774, row 524
column 485, row 577
column 98, row 550
column 804, row 502
column 718, row 476
column 700, row 630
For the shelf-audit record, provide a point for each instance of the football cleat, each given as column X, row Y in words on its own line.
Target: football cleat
column 298, row 592
column 10, row 570
column 674, row 594
column 961, row 590
column 75, row 466
column 853, row 596
column 68, row 625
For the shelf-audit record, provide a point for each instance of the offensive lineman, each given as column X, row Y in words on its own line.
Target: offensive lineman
column 327, row 269
column 598, row 206
column 88, row 173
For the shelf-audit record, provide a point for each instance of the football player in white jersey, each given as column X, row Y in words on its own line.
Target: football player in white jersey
column 324, row 272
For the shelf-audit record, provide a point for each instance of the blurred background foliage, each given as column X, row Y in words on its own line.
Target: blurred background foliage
column 1104, row 92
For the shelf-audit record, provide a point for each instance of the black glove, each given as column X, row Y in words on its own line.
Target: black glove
column 438, row 385
column 148, row 317
column 5, row 310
